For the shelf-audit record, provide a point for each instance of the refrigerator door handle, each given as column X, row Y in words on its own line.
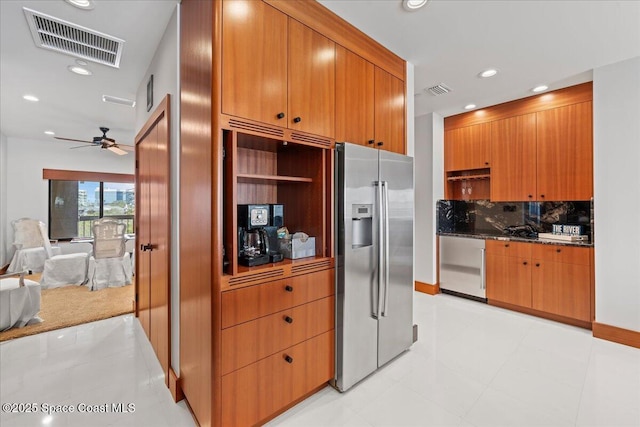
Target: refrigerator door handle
column 380, row 244
column 385, row 195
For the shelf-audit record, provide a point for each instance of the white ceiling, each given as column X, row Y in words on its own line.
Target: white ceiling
column 448, row 41
column 557, row 43
column 71, row 105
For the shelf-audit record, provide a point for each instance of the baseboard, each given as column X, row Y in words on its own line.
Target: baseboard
column 427, row 288
column 615, row 334
column 556, row 318
column 174, row 386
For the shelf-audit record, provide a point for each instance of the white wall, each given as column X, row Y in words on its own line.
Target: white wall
column 165, row 69
column 616, row 112
column 27, row 194
column 4, row 239
column 429, row 161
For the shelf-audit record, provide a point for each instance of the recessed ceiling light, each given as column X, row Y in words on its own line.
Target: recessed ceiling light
column 469, row 106
column 79, row 70
column 488, row 73
column 49, row 132
column 540, row 88
column 31, row 98
column 412, row 5
column 81, row 4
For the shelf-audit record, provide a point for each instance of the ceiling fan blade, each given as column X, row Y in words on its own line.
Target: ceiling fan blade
column 81, row 146
column 73, row 140
column 127, row 147
column 117, row 150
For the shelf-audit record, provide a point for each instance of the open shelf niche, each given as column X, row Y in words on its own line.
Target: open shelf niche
column 473, row 184
column 261, row 170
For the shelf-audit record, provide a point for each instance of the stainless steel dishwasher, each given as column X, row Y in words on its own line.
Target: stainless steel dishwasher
column 462, row 267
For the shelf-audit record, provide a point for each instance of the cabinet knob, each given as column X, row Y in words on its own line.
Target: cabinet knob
column 288, row 358
column 288, row 288
column 558, row 250
column 542, row 196
column 530, row 196
column 288, row 319
column 371, row 141
column 297, row 120
column 380, row 144
column 525, row 263
column 537, row 264
column 486, row 163
column 280, row 115
column 506, row 245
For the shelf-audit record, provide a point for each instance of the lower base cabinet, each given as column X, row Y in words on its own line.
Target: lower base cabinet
column 552, row 279
column 255, row 392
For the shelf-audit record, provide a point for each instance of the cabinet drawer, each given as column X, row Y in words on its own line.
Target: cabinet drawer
column 509, row 248
column 255, row 392
column 251, row 341
column 249, row 303
column 562, row 254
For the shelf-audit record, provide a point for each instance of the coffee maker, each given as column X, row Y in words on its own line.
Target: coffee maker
column 257, row 235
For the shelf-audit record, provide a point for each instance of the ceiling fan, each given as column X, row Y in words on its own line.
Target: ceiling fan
column 103, row 142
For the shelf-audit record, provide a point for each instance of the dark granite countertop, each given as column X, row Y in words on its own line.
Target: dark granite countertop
column 516, row 239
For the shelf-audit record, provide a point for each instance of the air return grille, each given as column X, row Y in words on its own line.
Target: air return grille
column 439, row 89
column 64, row 37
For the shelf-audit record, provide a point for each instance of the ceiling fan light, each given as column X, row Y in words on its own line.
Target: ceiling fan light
column 413, row 5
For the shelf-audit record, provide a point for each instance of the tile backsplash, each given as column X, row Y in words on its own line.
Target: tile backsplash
column 485, row 217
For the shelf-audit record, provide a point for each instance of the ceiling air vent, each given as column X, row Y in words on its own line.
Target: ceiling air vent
column 64, row 37
column 439, row 89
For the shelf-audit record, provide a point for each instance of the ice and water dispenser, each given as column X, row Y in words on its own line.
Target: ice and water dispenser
column 361, row 225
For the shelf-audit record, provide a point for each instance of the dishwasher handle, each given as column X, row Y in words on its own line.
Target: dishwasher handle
column 483, row 268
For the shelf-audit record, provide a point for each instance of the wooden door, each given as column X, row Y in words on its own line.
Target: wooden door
column 563, row 289
column 311, row 81
column 354, row 98
column 153, row 233
column 565, row 153
column 513, row 159
column 509, row 279
column 389, row 113
column 467, row 148
column 254, row 61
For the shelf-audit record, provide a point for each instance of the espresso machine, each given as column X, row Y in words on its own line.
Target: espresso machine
column 257, row 234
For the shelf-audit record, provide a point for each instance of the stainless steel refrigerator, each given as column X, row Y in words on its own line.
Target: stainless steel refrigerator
column 374, row 257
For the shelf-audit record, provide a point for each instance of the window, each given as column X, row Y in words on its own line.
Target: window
column 75, row 203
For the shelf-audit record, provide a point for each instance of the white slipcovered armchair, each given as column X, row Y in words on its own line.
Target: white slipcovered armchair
column 19, row 301
column 110, row 265
column 29, row 243
column 63, row 270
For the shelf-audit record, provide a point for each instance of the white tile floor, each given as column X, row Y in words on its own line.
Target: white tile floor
column 474, row 365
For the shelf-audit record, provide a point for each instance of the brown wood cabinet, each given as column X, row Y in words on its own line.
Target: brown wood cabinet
column 513, row 159
column 271, row 59
column 565, row 153
column 467, row 148
column 370, row 104
column 548, row 279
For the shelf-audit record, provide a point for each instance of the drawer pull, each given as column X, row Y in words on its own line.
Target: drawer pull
column 288, row 358
column 297, row 120
column 288, row 288
column 280, row 115
column 288, row 319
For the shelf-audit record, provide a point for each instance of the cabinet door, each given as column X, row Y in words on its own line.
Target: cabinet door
column 513, row 159
column 563, row 289
column 467, row 148
column 389, row 112
column 311, row 81
column 254, row 61
column 354, row 98
column 565, row 153
column 509, row 279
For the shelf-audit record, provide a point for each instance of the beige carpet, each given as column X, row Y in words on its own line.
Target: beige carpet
column 74, row 305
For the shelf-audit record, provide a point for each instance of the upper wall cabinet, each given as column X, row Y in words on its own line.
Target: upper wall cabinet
column 276, row 70
column 354, row 98
column 370, row 104
column 389, row 109
column 254, row 61
column 467, row 148
column 565, row 153
column 513, row 159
